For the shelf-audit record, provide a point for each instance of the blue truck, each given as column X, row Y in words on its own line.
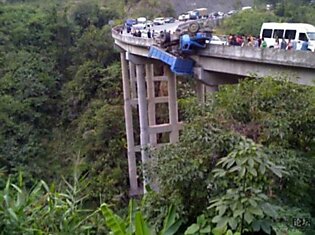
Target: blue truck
column 178, row 65
column 187, row 38
column 129, row 23
column 188, row 44
column 173, row 49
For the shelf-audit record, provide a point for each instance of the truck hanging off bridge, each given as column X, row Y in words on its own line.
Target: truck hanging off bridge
column 173, row 49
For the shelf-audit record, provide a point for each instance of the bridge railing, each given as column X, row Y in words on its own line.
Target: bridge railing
column 119, row 34
column 303, row 59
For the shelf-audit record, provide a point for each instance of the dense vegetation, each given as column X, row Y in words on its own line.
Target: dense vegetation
column 60, row 95
column 245, row 161
column 244, row 155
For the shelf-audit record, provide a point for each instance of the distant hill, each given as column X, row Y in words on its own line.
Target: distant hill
column 181, row 6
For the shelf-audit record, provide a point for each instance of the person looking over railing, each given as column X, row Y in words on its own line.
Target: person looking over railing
column 304, row 45
column 263, row 43
column 289, row 45
column 283, row 44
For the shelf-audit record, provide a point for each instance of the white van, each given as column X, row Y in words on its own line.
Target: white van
column 295, row 31
column 141, row 20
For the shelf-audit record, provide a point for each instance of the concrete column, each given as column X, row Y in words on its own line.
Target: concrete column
column 151, row 104
column 129, row 127
column 143, row 116
column 132, row 70
column 172, row 105
column 200, row 90
column 200, row 87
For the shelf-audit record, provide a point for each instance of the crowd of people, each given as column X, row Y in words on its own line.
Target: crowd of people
column 238, row 40
column 258, row 42
column 137, row 33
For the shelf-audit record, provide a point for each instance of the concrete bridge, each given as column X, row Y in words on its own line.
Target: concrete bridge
column 214, row 66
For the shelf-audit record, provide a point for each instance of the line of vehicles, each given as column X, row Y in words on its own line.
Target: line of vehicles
column 143, row 22
column 202, row 13
column 270, row 32
column 193, row 35
column 199, row 13
column 143, row 25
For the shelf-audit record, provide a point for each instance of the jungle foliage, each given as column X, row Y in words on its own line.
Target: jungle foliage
column 245, row 162
column 60, row 96
column 245, row 159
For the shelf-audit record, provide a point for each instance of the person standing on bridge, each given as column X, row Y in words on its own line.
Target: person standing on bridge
column 133, row 31
column 283, row 44
column 259, row 41
column 304, row 45
column 229, row 40
column 294, row 45
column 263, row 43
column 277, row 44
column 289, row 45
column 149, row 33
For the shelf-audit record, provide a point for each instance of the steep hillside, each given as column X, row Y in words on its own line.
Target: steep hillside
column 212, row 5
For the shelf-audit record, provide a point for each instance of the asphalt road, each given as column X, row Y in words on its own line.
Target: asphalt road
column 158, row 28
column 168, row 26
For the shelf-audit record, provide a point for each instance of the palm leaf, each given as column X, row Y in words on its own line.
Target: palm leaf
column 113, row 221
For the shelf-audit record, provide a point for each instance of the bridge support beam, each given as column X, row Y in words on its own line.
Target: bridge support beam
column 172, row 104
column 141, row 80
column 210, row 81
column 200, row 90
column 149, row 71
column 132, row 166
column 132, row 72
column 143, row 117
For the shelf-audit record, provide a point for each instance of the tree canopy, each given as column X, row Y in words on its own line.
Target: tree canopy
column 244, row 163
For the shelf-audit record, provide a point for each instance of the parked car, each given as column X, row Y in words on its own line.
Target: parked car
column 129, row 23
column 193, row 15
column 149, row 23
column 141, row 20
column 169, row 20
column 159, row 21
column 139, row 26
column 184, row 17
column 217, row 41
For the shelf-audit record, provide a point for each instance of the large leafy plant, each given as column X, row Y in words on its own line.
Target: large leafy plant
column 44, row 210
column 244, row 176
column 136, row 224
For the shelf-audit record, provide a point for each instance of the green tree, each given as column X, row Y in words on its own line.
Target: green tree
column 247, row 22
column 242, row 179
column 274, row 113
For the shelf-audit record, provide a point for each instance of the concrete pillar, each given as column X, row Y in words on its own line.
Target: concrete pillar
column 151, row 96
column 200, row 90
column 172, row 105
column 132, row 167
column 132, row 70
column 200, row 87
column 143, row 116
